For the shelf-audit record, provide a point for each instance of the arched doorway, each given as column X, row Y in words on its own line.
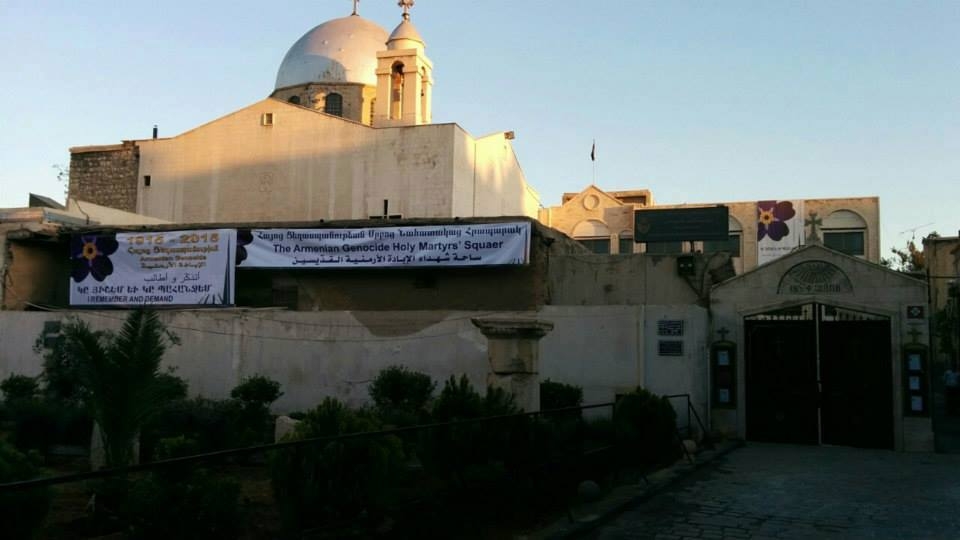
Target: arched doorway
column 819, row 374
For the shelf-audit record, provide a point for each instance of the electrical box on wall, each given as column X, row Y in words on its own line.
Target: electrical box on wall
column 686, row 265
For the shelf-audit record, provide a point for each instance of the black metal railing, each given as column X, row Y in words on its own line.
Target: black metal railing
column 477, row 477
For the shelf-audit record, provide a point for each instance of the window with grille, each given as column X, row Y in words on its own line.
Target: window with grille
column 849, row 242
column 333, row 104
column 596, row 245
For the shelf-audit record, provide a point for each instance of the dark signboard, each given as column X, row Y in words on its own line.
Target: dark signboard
column 681, row 224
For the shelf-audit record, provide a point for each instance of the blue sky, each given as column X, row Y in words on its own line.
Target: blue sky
column 697, row 101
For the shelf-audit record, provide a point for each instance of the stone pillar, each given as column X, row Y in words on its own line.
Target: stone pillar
column 513, row 349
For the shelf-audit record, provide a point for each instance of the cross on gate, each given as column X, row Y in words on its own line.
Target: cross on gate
column 723, row 333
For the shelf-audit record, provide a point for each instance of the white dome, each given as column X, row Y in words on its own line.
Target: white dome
column 337, row 51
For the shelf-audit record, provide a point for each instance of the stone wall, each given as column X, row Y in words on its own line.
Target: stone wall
column 106, row 175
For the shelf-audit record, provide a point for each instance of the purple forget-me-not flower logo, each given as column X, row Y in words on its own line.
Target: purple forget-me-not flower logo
column 90, row 255
column 771, row 218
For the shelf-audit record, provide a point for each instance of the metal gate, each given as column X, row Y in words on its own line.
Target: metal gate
column 819, row 374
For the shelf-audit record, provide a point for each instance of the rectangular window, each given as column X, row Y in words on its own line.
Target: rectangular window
column 732, row 244
column 266, row 119
column 849, row 242
column 596, row 245
column 664, row 248
column 626, row 246
column 146, row 180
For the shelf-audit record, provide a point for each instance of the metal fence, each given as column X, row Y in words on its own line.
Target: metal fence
column 481, row 477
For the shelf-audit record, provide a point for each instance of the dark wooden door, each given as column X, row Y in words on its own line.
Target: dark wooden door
column 857, row 383
column 781, row 381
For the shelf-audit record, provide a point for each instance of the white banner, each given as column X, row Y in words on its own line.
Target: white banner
column 779, row 229
column 379, row 247
column 153, row 268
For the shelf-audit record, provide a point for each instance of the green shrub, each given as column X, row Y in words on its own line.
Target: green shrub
column 193, row 504
column 554, row 395
column 39, row 423
column 21, row 512
column 460, row 449
column 19, row 388
column 401, row 396
column 335, row 481
column 257, row 390
column 645, row 428
column 212, row 424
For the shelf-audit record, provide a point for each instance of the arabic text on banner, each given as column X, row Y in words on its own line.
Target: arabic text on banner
column 381, row 247
column 153, row 268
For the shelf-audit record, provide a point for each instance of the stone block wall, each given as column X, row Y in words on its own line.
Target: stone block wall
column 106, row 175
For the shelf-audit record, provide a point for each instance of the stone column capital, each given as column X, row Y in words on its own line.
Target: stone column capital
column 512, row 328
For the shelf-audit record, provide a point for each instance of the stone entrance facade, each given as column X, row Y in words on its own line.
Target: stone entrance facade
column 866, row 377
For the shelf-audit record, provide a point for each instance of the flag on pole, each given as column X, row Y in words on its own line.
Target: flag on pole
column 593, row 151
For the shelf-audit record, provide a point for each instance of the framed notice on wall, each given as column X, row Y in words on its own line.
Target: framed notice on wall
column 914, row 383
column 169, row 268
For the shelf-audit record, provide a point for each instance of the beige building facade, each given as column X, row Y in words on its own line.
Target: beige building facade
column 604, row 222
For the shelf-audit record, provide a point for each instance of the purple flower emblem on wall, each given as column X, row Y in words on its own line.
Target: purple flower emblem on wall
column 771, row 218
column 244, row 237
column 90, row 255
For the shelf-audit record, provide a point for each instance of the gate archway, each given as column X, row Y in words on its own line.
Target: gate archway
column 819, row 374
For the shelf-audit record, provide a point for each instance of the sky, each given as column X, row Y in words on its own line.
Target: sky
column 696, row 101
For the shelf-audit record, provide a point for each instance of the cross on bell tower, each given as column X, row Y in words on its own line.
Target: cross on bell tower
column 406, row 5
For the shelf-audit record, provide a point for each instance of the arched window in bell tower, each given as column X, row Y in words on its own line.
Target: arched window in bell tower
column 294, row 99
column 333, row 104
column 396, row 91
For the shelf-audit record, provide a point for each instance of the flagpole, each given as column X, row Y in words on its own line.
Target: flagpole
column 593, row 160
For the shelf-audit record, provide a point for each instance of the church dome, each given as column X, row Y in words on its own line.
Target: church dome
column 338, row 51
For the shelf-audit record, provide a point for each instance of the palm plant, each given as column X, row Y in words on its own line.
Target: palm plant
column 121, row 373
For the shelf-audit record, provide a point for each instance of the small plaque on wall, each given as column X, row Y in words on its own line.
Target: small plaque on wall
column 670, row 347
column 670, row 328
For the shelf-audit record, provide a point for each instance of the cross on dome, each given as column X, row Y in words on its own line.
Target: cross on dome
column 356, row 7
column 406, row 5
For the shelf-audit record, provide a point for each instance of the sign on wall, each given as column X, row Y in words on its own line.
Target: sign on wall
column 384, row 247
column 681, row 224
column 779, row 229
column 152, row 268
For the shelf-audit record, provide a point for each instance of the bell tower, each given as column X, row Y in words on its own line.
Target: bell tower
column 404, row 77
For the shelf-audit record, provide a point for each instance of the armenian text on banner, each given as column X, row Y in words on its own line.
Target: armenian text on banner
column 168, row 268
column 381, row 247
column 779, row 229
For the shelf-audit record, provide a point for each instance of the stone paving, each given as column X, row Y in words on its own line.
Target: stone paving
column 765, row 491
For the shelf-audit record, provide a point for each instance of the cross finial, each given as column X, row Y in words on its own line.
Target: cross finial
column 813, row 221
column 406, row 5
column 723, row 333
column 356, row 7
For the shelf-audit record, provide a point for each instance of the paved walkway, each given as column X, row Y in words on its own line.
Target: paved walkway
column 780, row 491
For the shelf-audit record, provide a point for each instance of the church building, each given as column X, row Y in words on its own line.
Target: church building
column 347, row 133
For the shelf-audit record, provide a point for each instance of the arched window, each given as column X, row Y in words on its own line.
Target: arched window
column 333, row 104
column 294, row 99
column 845, row 231
column 594, row 235
column 396, row 92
